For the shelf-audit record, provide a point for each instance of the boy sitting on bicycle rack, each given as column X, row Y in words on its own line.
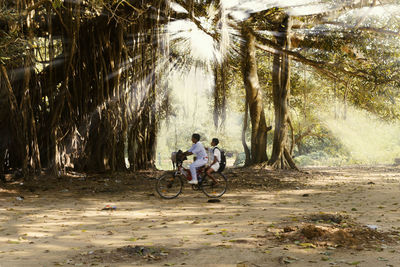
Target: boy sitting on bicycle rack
column 201, row 157
column 215, row 157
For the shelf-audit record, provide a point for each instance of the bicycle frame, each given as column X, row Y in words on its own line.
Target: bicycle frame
column 186, row 172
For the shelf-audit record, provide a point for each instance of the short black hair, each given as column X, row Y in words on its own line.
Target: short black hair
column 215, row 141
column 196, row 136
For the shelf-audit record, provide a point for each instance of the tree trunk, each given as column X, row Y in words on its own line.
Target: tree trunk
column 345, row 94
column 281, row 156
column 254, row 99
column 220, row 89
column 18, row 155
column 244, row 129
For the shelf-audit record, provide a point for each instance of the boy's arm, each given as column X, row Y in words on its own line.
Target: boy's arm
column 215, row 158
column 189, row 151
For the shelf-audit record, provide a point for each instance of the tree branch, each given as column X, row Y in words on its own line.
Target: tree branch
column 368, row 29
column 182, row 16
column 266, row 45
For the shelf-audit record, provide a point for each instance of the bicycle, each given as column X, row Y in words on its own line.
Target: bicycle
column 170, row 185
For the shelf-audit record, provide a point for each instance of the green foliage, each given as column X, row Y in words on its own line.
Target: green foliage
column 321, row 158
column 12, row 41
column 57, row 3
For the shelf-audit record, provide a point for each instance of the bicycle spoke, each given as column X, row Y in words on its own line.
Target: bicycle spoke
column 169, row 186
column 216, row 187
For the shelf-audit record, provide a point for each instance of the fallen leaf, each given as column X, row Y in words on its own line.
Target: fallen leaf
column 307, row 245
column 354, row 263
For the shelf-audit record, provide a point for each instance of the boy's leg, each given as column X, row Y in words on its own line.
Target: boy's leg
column 192, row 168
column 197, row 163
column 209, row 171
column 213, row 168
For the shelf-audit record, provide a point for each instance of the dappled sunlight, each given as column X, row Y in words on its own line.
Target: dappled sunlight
column 381, row 13
column 368, row 139
column 95, row 95
column 307, row 10
column 192, row 113
column 192, row 92
column 189, row 223
column 192, row 41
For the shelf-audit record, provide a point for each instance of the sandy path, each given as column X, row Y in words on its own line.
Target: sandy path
column 59, row 228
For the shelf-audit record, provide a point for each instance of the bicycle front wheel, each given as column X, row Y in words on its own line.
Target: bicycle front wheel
column 169, row 186
column 214, row 188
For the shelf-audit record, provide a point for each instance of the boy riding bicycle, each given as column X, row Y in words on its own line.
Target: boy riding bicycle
column 201, row 157
column 215, row 158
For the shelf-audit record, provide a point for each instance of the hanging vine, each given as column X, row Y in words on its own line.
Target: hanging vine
column 88, row 89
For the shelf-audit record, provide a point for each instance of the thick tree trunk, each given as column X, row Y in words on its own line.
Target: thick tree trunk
column 244, row 129
column 18, row 155
column 254, row 99
column 32, row 154
column 94, row 149
column 143, row 126
column 281, row 152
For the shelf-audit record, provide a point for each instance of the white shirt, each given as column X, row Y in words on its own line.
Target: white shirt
column 198, row 150
column 216, row 154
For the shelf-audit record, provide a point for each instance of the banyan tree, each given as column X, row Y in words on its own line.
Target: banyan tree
column 83, row 82
column 80, row 83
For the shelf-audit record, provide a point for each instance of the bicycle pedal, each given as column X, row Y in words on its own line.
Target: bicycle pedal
column 195, row 187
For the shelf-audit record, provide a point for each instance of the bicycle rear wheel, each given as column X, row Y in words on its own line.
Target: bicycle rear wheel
column 214, row 188
column 169, row 185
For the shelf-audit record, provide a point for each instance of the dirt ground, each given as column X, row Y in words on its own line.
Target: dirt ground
column 319, row 217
